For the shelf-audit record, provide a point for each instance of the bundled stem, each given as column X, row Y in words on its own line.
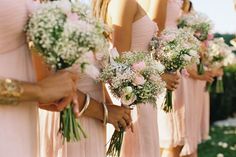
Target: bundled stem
column 69, row 126
column 115, row 144
column 168, row 103
column 219, row 85
column 208, row 87
column 200, row 68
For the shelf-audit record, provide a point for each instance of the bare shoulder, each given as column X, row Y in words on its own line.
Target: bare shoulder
column 123, row 7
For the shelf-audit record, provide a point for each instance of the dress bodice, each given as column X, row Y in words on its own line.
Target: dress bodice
column 142, row 33
column 13, row 17
column 173, row 13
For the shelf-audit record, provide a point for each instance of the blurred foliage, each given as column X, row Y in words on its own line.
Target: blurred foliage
column 227, row 37
column 224, row 105
column 217, row 146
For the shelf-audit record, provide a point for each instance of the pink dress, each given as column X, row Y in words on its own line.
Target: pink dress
column 95, row 144
column 172, row 125
column 144, row 142
column 19, row 123
column 205, row 120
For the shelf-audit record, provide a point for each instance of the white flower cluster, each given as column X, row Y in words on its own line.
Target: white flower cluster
column 63, row 32
column 219, row 54
column 177, row 48
column 199, row 23
column 135, row 78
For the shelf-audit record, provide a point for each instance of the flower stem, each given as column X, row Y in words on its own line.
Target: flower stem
column 115, row 144
column 168, row 103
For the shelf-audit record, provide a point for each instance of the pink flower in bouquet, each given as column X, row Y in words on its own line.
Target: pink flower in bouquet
column 206, row 43
column 139, row 80
column 139, row 66
column 185, row 73
column 72, row 17
column 210, row 37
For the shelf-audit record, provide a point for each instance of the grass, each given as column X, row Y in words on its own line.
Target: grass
column 221, row 144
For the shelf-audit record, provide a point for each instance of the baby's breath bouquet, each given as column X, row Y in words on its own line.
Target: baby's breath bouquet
column 197, row 22
column 134, row 78
column 64, row 33
column 201, row 25
column 218, row 55
column 175, row 49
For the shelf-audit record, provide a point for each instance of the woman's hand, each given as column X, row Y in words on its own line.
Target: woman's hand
column 218, row 72
column 119, row 117
column 57, row 86
column 57, row 106
column 171, row 79
column 207, row 76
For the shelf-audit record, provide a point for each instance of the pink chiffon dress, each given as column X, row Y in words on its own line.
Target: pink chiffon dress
column 144, row 142
column 92, row 146
column 193, row 102
column 19, row 123
column 182, row 126
column 172, row 124
column 95, row 143
column 205, row 119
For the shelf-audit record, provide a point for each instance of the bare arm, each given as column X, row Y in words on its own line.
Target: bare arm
column 122, row 17
column 157, row 12
column 207, row 76
column 44, row 91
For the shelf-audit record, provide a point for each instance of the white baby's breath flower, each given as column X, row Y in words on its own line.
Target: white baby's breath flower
column 220, row 155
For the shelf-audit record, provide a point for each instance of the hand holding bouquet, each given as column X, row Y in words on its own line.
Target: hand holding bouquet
column 134, row 78
column 64, row 34
column 218, row 55
column 175, row 49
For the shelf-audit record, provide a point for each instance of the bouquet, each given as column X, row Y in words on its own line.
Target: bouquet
column 176, row 49
column 198, row 23
column 134, row 78
column 218, row 56
column 201, row 25
column 64, row 33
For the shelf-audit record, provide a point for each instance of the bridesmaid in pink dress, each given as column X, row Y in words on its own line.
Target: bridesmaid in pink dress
column 19, row 130
column 172, row 125
column 144, row 140
column 18, row 133
column 95, row 143
column 133, row 30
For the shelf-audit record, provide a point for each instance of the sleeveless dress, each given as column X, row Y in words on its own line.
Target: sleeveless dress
column 205, row 119
column 193, row 102
column 172, row 124
column 95, row 143
column 144, row 142
column 19, row 123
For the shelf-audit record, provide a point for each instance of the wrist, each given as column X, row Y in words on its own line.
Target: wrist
column 34, row 91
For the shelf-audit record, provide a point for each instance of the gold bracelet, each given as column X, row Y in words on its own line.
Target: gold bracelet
column 10, row 91
column 86, row 105
column 105, row 116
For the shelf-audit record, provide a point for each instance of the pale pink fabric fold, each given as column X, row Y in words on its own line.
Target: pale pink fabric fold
column 144, row 142
column 172, row 125
column 19, row 123
column 95, row 144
